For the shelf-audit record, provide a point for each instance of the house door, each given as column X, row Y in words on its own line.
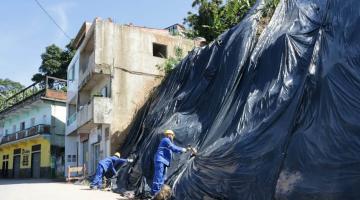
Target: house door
column 5, row 166
column 96, row 156
column 16, row 166
column 85, row 157
column 35, row 165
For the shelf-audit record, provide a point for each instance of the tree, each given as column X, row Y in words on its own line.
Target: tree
column 54, row 62
column 215, row 16
column 8, row 88
column 8, row 85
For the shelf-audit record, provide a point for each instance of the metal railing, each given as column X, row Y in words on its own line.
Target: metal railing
column 71, row 118
column 34, row 89
column 34, row 130
column 85, row 113
column 87, row 70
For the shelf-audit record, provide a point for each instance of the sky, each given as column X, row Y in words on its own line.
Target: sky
column 25, row 30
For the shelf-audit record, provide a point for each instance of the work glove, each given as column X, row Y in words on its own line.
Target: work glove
column 130, row 160
column 188, row 149
column 184, row 150
column 193, row 152
column 115, row 175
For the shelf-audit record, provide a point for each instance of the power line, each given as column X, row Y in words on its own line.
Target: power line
column 52, row 19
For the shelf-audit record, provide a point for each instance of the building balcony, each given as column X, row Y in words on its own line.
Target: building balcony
column 39, row 129
column 97, row 111
column 91, row 73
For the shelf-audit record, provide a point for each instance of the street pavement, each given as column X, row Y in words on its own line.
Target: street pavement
column 41, row 189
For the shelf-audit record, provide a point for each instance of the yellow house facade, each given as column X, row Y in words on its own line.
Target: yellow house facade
column 26, row 158
column 32, row 132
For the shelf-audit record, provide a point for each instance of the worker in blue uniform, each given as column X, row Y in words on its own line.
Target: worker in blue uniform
column 163, row 158
column 107, row 165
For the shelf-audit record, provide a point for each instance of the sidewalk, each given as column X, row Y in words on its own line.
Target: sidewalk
column 43, row 189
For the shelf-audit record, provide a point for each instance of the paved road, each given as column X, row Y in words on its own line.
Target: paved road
column 46, row 189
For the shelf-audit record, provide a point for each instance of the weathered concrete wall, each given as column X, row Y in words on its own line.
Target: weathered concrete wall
column 102, row 110
column 128, row 52
column 71, row 144
column 58, row 121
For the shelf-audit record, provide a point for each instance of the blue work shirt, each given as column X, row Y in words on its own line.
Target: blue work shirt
column 110, row 163
column 165, row 149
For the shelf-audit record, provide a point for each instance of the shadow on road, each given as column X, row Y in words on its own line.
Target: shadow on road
column 86, row 189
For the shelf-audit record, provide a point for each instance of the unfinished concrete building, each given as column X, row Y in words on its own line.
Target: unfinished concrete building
column 109, row 79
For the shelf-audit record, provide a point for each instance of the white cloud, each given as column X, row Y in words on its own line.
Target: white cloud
column 60, row 13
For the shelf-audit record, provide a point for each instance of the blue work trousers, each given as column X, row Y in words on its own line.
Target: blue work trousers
column 159, row 177
column 97, row 181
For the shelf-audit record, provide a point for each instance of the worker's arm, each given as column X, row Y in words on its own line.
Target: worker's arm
column 120, row 161
column 175, row 148
column 112, row 168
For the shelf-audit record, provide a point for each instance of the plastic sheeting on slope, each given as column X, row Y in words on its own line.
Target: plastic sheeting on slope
column 273, row 118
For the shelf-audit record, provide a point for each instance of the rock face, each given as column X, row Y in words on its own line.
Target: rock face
column 272, row 118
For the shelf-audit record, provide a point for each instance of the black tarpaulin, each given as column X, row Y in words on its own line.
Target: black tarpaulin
column 274, row 117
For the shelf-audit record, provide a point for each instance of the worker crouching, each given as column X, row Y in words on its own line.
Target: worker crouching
column 107, row 165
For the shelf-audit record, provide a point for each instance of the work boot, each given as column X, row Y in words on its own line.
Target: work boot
column 92, row 187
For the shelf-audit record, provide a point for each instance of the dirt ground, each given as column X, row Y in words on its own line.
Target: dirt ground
column 46, row 189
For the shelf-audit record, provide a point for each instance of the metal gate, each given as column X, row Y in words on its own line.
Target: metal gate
column 35, row 165
column 16, row 166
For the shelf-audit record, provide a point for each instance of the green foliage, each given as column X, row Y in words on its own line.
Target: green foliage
column 7, row 84
column 213, row 17
column 54, row 62
column 171, row 62
column 8, row 88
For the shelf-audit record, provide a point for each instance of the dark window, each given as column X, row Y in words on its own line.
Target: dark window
column 22, row 126
column 73, row 158
column 36, row 147
column 104, row 91
column 17, row 151
column 159, row 50
column 69, row 158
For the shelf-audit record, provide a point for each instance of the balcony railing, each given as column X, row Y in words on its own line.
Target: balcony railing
column 87, row 69
column 71, row 118
column 34, row 130
column 97, row 110
column 51, row 87
column 85, row 113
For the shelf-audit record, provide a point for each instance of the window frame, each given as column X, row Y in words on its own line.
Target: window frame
column 22, row 125
column 157, row 50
